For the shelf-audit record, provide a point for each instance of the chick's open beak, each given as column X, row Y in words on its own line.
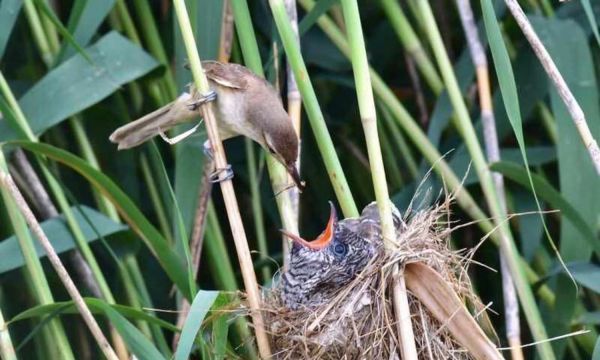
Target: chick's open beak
column 322, row 240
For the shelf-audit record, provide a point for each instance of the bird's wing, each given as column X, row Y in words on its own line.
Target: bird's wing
column 229, row 75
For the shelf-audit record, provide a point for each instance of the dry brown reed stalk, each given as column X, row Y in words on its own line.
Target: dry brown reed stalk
column 359, row 322
column 476, row 49
column 205, row 188
column 229, row 197
column 561, row 86
column 7, row 182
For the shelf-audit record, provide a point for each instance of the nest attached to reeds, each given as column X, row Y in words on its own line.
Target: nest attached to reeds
column 359, row 322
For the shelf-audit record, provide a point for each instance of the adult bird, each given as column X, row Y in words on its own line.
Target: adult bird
column 319, row 268
column 246, row 105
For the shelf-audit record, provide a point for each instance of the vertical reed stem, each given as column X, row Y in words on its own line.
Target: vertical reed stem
column 294, row 108
column 315, row 116
column 368, row 114
column 231, row 205
column 476, row 49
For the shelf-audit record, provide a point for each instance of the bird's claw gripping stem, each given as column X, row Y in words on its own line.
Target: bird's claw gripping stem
column 216, row 177
column 209, row 96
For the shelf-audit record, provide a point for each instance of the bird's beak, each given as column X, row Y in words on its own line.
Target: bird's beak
column 293, row 171
column 322, row 240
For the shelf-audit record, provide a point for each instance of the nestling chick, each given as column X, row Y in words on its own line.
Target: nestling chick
column 319, row 268
column 246, row 105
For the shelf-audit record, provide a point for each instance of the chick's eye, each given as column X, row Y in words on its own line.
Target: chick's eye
column 340, row 249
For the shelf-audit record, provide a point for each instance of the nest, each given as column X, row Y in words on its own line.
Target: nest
column 359, row 322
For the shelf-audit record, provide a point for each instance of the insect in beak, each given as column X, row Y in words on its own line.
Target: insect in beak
column 293, row 171
column 323, row 240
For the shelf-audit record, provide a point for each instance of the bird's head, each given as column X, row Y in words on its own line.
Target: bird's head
column 283, row 145
column 318, row 268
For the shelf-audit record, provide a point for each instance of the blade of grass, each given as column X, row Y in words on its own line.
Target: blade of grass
column 76, row 85
column 9, row 12
column 49, row 14
column 589, row 12
column 97, row 306
column 183, row 245
column 136, row 342
column 61, row 238
column 198, row 310
column 128, row 210
column 84, row 20
column 552, row 196
column 509, row 93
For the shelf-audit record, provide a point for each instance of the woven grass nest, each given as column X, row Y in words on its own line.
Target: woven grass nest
column 359, row 322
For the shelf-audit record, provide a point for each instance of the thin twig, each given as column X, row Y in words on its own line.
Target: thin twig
column 47, row 210
column 511, row 304
column 559, row 82
column 231, row 205
column 7, row 182
column 199, row 225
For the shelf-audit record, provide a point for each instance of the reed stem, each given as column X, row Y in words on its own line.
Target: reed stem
column 476, row 49
column 315, row 116
column 231, row 205
column 368, row 114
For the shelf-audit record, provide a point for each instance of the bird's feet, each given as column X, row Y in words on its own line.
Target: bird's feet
column 195, row 104
column 221, row 174
column 218, row 175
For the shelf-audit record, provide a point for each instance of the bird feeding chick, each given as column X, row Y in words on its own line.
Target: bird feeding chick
column 318, row 269
column 245, row 105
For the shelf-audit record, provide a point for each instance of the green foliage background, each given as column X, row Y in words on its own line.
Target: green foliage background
column 73, row 71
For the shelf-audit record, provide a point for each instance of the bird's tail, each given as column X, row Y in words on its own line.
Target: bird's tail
column 150, row 125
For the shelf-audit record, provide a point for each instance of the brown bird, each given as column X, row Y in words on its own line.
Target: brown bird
column 246, row 105
column 319, row 268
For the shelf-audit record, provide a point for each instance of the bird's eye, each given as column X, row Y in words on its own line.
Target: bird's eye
column 340, row 249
